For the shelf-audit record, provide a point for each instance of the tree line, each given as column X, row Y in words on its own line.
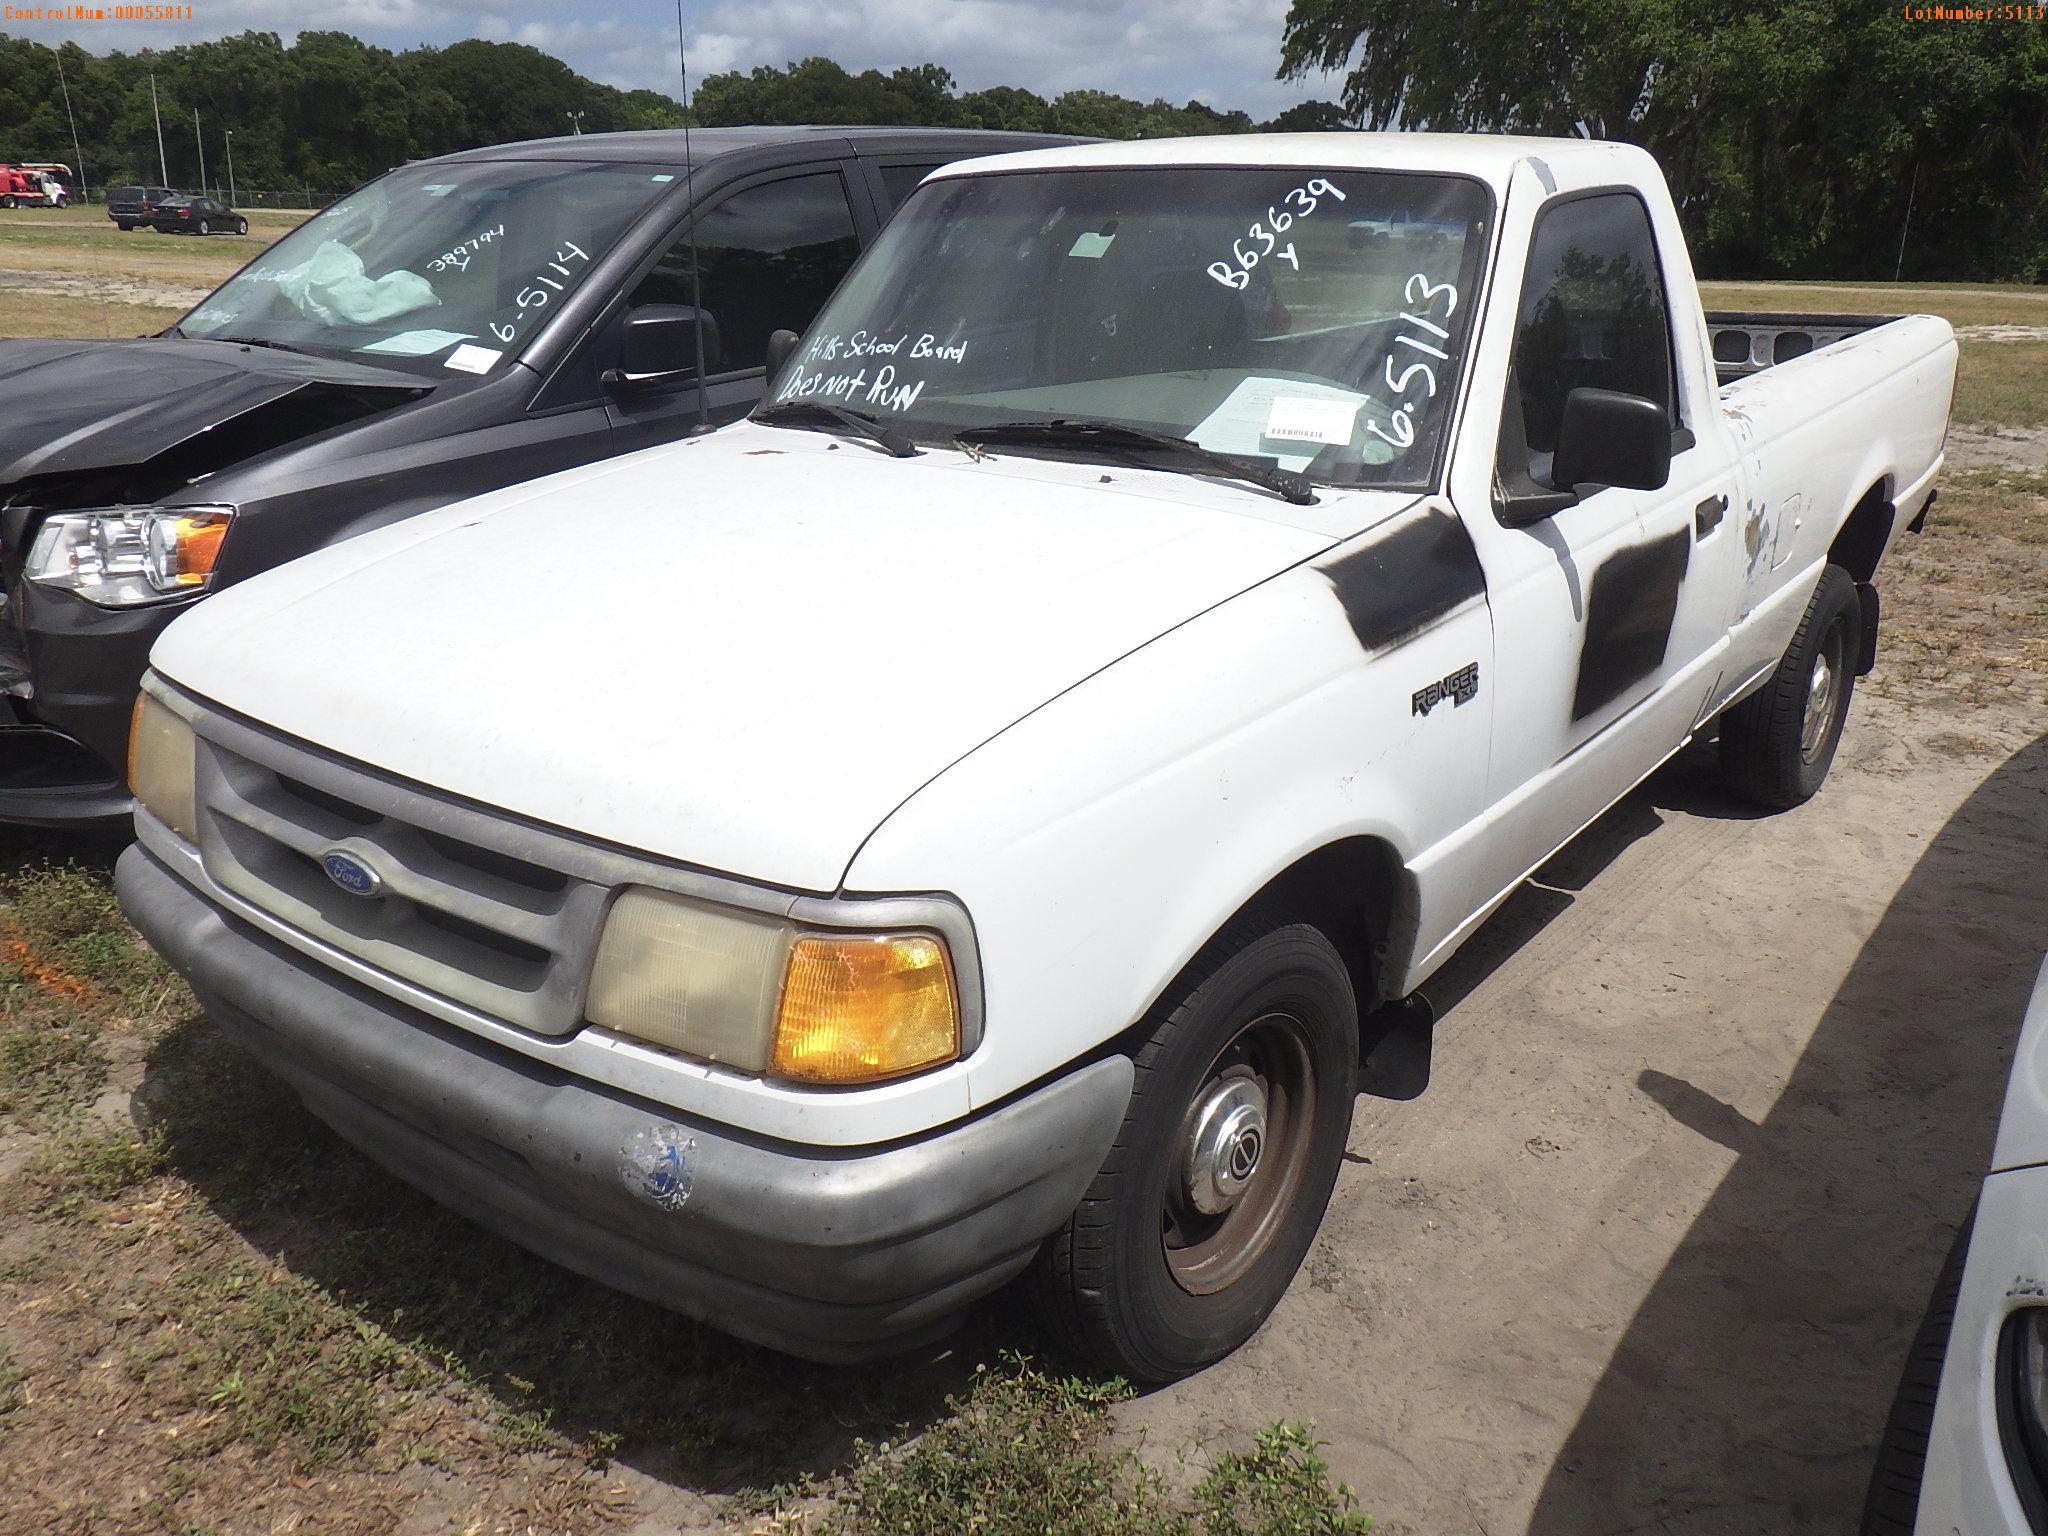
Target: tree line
column 329, row 110
column 1822, row 138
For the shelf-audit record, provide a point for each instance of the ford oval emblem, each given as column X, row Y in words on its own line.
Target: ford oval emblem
column 351, row 873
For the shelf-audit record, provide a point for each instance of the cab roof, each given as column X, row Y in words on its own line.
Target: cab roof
column 668, row 146
column 1489, row 157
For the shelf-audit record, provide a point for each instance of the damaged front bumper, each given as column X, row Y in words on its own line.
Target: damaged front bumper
column 68, row 675
column 832, row 1253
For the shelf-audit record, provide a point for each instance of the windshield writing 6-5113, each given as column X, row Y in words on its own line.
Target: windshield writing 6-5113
column 1308, row 318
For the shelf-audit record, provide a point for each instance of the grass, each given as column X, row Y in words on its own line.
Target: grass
column 275, row 1303
column 1027, row 1454
column 2002, row 384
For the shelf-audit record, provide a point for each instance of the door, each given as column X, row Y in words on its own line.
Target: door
column 767, row 256
column 1610, row 614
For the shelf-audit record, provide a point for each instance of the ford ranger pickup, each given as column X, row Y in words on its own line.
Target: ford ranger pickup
column 993, row 810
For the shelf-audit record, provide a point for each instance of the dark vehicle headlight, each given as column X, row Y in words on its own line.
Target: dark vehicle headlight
column 123, row 557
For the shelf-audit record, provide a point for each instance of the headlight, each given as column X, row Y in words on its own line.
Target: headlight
column 125, row 556
column 161, row 769
column 760, row 994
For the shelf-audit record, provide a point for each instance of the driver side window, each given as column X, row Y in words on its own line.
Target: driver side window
column 1593, row 314
column 768, row 258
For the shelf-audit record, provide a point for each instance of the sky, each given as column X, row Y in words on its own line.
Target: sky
column 1222, row 52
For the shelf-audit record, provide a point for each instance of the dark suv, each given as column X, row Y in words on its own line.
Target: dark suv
column 455, row 326
column 130, row 206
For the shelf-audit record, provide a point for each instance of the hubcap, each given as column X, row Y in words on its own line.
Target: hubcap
column 1243, row 1145
column 1223, row 1151
column 1820, row 699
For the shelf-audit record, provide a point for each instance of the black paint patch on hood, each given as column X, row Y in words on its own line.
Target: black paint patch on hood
column 75, row 407
column 1629, row 613
column 1400, row 583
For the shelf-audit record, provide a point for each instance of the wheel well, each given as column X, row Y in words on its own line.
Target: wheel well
column 1360, row 894
column 1860, row 543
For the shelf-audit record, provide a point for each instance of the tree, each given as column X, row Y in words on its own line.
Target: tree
column 1793, row 135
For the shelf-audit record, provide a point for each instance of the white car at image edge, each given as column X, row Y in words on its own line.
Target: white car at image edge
column 1979, row 1366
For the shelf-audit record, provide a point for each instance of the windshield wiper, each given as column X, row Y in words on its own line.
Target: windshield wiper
column 1114, row 435
column 817, row 413
column 260, row 341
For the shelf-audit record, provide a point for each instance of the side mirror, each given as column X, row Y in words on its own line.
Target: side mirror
column 1608, row 438
column 780, row 345
column 659, row 343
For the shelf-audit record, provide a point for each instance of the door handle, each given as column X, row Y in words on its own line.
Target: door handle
column 1706, row 517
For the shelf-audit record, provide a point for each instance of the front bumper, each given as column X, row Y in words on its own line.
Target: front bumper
column 69, row 672
column 830, row 1253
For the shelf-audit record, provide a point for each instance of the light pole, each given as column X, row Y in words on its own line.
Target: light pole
column 196, row 139
column 163, row 166
column 232, row 199
column 575, row 123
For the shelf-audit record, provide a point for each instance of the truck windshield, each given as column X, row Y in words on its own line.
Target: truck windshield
column 1314, row 319
column 434, row 267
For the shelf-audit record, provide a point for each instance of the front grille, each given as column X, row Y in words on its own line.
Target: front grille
column 461, row 913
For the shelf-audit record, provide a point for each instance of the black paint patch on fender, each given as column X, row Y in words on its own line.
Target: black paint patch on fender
column 1629, row 614
column 1397, row 586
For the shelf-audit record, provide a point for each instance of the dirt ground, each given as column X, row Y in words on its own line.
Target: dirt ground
column 1710, row 1098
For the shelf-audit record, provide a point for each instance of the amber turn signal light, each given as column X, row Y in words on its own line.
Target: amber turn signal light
column 860, row 1008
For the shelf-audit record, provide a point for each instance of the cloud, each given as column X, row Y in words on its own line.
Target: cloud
column 1223, row 52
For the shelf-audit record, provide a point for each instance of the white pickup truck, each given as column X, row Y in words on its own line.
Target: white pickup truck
column 994, row 808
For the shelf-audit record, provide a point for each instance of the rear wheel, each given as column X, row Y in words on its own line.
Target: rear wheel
column 1777, row 744
column 205, row 228
column 1208, row 1201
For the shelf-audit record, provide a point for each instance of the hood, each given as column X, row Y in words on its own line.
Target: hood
column 158, row 406
column 741, row 652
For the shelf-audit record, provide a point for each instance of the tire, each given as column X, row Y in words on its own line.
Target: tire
column 241, row 226
column 204, row 228
column 7, row 202
column 1140, row 1281
column 1777, row 744
column 1893, row 1501
column 124, row 226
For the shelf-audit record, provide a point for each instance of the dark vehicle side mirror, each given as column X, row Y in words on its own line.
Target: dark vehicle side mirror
column 780, row 345
column 1609, row 438
column 659, row 343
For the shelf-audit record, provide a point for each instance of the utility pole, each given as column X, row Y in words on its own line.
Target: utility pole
column 196, row 139
column 1912, row 191
column 76, row 153
column 163, row 168
column 232, row 199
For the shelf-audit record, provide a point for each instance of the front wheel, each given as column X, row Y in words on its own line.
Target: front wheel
column 241, row 226
column 1218, row 1180
column 124, row 226
column 1777, row 744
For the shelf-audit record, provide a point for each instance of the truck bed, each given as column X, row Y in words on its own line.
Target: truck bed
column 1749, row 341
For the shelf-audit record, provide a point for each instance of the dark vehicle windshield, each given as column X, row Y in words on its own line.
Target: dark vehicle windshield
column 1312, row 318
column 435, row 267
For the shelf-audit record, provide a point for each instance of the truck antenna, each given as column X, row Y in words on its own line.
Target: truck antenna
column 696, row 278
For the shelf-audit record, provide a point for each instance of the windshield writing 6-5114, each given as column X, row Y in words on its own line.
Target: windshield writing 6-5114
column 1307, row 318
column 434, row 267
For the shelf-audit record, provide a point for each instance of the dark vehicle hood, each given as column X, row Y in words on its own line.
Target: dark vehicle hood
column 164, row 410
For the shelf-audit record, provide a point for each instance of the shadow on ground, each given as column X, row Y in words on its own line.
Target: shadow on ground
column 1835, row 1216
column 634, row 1383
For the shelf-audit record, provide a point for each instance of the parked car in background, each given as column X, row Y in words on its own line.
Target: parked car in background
column 457, row 325
column 196, row 214
column 988, row 812
column 1966, row 1446
column 131, row 206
